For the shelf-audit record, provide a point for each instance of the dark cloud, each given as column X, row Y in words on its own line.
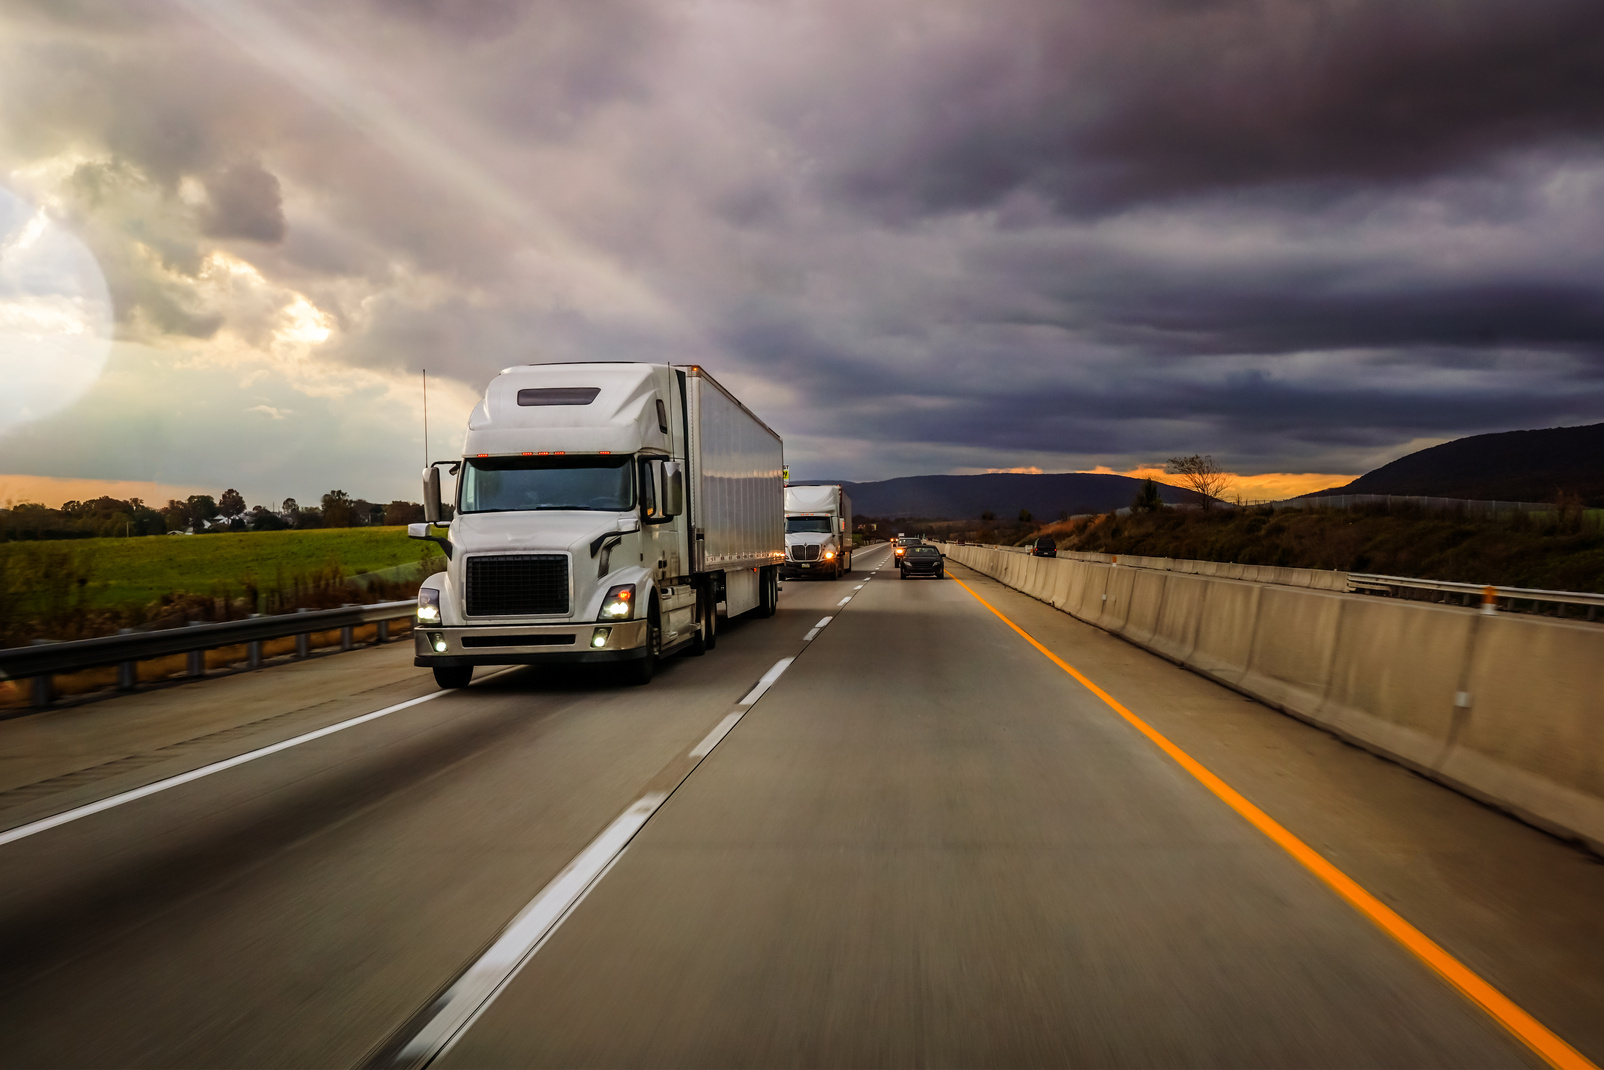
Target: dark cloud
column 244, row 201
column 1098, row 106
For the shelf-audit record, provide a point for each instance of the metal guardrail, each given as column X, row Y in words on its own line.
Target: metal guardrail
column 44, row 659
column 1491, row 597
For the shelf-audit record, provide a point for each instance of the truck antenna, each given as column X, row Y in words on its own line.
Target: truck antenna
column 426, row 417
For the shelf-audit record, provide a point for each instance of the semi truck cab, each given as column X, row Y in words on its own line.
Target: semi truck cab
column 589, row 524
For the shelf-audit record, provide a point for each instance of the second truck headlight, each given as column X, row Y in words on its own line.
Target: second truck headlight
column 619, row 603
column 428, row 605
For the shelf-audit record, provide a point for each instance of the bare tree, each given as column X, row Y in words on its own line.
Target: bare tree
column 1202, row 475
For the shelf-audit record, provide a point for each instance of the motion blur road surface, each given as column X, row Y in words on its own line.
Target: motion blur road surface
column 925, row 843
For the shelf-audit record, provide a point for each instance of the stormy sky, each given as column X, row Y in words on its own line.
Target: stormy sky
column 916, row 236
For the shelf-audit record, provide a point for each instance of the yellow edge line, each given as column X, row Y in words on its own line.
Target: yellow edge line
column 1527, row 1029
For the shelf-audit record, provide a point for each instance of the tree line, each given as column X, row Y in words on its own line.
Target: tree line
column 198, row 514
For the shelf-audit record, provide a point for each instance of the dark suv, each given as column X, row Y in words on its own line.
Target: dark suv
column 1044, row 547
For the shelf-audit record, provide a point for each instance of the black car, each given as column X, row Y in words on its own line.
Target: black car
column 922, row 560
column 1044, row 547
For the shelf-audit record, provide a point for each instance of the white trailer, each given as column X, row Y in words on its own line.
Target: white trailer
column 818, row 531
column 605, row 513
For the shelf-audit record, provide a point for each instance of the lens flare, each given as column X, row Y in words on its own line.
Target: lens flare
column 55, row 315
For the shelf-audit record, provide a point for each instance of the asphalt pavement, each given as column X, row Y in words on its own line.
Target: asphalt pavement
column 900, row 836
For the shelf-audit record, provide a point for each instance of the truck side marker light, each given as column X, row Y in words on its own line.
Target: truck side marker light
column 1544, row 1043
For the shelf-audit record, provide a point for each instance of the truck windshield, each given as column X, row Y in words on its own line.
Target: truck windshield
column 512, row 484
column 794, row 524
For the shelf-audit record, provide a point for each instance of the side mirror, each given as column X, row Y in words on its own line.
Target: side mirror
column 421, row 531
column 432, row 506
column 673, row 488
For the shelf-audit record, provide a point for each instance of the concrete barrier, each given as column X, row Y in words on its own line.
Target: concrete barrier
column 1503, row 708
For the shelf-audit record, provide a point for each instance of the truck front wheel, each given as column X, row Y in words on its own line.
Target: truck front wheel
column 451, row 677
column 641, row 671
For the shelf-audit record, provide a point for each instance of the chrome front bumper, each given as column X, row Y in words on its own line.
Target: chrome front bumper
column 514, row 644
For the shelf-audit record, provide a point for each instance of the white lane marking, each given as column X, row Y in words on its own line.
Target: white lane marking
column 859, row 587
column 845, row 600
column 472, row 993
column 823, row 621
column 720, row 730
column 766, row 681
column 44, row 824
column 465, row 1000
column 808, row 638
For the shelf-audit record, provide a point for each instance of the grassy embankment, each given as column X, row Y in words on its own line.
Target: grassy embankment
column 63, row 590
column 1563, row 550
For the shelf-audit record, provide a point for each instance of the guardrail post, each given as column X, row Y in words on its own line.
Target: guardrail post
column 347, row 634
column 303, row 641
column 127, row 671
column 384, row 632
column 43, row 687
column 196, row 659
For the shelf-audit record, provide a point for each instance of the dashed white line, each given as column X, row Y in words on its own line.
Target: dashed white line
column 479, row 985
column 859, row 587
column 44, row 824
column 808, row 638
column 766, row 681
column 845, row 600
column 444, row 1023
column 720, row 730
column 823, row 621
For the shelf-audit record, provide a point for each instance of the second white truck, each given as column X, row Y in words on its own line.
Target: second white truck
column 818, row 532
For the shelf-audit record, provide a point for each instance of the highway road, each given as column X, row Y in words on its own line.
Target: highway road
column 901, row 835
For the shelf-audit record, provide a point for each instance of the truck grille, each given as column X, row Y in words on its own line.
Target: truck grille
column 808, row 551
column 517, row 585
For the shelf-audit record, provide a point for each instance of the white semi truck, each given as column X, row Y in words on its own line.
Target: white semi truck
column 604, row 513
column 818, row 532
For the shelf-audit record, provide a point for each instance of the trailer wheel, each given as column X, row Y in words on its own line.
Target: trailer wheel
column 451, row 677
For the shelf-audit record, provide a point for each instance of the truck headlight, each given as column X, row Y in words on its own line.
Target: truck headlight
column 619, row 603
column 829, row 555
column 428, row 605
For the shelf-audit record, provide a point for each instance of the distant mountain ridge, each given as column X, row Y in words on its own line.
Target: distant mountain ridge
column 1002, row 493
column 1521, row 466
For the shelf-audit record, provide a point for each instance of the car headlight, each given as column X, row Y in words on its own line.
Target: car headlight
column 619, row 603
column 428, row 605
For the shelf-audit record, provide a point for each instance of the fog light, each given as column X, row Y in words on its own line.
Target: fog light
column 598, row 638
column 438, row 641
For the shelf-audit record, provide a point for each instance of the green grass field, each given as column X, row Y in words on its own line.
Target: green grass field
column 135, row 572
